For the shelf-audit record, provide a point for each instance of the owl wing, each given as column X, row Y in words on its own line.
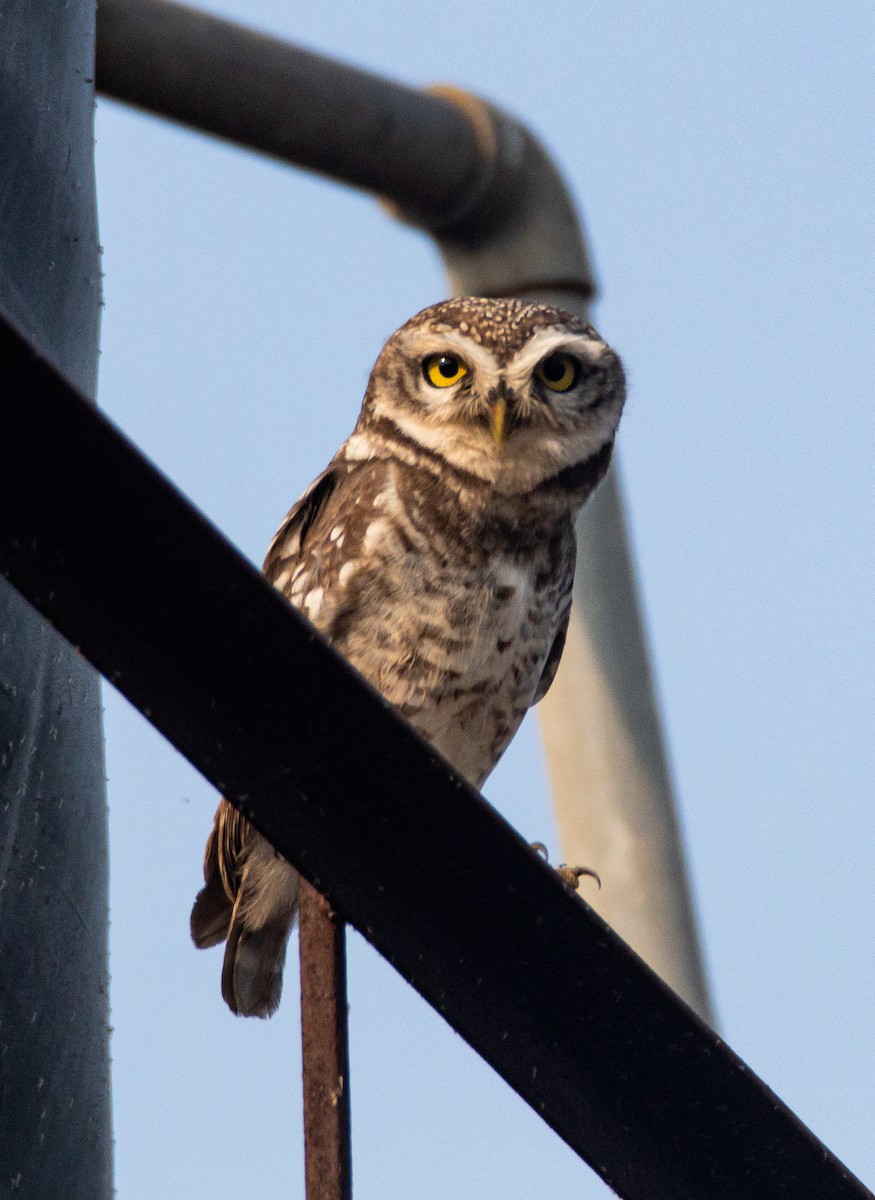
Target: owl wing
column 288, row 543
column 211, row 914
column 551, row 666
column 225, row 849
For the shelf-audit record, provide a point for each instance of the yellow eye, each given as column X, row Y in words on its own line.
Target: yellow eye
column 559, row 372
column 443, row 370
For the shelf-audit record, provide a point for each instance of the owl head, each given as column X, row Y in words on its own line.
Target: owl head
column 513, row 393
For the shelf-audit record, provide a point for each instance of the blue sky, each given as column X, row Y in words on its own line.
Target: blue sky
column 720, row 155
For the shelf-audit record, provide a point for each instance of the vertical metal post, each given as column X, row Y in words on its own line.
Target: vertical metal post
column 607, row 764
column 55, row 1136
column 324, row 1036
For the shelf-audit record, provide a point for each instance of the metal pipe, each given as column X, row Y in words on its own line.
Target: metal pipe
column 607, row 764
column 325, row 1045
column 505, row 224
column 292, row 104
column 55, row 1118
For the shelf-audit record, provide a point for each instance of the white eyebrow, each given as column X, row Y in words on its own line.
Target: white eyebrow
column 546, row 342
column 478, row 358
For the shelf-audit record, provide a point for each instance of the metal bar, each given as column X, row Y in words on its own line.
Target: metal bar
column 297, row 106
column 55, row 1111
column 325, row 1042
column 244, row 687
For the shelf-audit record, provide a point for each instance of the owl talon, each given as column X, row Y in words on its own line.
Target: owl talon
column 570, row 876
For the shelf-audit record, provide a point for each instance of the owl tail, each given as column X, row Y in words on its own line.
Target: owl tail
column 256, row 925
column 252, row 975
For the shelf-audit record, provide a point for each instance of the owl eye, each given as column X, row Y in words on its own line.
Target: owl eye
column 559, row 372
column 443, row 370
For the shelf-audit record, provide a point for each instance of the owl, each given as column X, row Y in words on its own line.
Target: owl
column 436, row 552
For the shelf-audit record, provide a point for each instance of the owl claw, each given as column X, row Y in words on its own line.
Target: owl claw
column 570, row 876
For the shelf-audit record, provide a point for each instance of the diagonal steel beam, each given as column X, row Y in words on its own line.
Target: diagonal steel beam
column 242, row 685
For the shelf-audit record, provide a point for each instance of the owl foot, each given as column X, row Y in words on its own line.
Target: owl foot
column 570, row 876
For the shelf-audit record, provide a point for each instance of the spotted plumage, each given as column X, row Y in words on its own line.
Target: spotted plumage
column 436, row 552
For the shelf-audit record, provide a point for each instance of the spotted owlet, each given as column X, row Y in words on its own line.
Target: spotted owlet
column 436, row 552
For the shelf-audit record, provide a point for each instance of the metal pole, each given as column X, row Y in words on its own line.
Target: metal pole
column 55, row 1135
column 607, row 764
column 490, row 194
column 325, row 1042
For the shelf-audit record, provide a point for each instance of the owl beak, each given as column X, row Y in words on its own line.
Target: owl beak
column 498, row 422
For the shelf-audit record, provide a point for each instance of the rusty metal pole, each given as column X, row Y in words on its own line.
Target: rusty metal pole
column 325, row 1042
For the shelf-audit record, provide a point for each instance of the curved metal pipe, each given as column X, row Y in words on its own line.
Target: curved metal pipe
column 292, row 104
column 483, row 186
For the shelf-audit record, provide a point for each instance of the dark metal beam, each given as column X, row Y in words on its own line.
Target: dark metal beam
column 155, row 598
column 227, row 80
